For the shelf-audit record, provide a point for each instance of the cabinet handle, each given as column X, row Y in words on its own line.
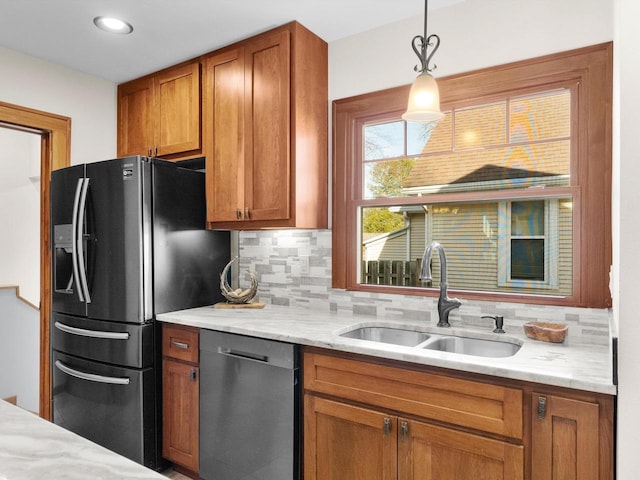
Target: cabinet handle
column 149, row 152
column 404, row 429
column 182, row 345
column 387, row 426
column 247, row 216
column 192, row 374
column 238, row 214
column 542, row 407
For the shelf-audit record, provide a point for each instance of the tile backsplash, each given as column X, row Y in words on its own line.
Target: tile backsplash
column 293, row 268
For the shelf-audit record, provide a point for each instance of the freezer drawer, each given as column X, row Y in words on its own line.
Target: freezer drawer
column 106, row 405
column 129, row 345
column 249, row 412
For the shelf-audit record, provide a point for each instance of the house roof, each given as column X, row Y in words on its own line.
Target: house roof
column 497, row 164
column 522, row 138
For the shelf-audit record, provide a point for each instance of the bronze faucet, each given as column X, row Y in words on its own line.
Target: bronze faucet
column 445, row 304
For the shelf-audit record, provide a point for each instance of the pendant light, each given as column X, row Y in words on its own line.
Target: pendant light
column 424, row 97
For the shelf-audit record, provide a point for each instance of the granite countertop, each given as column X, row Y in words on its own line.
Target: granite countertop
column 571, row 364
column 33, row 448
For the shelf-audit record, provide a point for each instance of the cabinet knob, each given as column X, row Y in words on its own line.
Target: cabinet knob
column 404, row 429
column 387, row 426
column 542, row 407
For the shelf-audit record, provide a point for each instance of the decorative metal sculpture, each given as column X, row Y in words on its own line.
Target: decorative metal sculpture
column 238, row 295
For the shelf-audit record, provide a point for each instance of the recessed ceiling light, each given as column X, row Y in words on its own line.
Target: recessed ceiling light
column 113, row 25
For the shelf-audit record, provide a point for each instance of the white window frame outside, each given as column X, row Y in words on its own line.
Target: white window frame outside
column 550, row 247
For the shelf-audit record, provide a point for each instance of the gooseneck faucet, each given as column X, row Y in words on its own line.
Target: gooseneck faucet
column 445, row 304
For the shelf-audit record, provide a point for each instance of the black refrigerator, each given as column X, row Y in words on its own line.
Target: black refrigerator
column 128, row 242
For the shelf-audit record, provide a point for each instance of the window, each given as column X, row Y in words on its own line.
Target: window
column 535, row 242
column 526, row 251
column 514, row 182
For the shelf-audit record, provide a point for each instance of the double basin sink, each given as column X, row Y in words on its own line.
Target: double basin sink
column 465, row 345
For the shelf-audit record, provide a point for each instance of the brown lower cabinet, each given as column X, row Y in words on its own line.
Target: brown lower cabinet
column 372, row 419
column 567, row 438
column 345, row 441
column 431, row 452
column 180, row 397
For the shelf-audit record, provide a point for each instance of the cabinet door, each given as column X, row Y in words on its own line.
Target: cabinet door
column 267, row 128
column 428, row 452
column 177, row 110
column 135, row 117
column 565, row 439
column 223, row 99
column 180, row 413
column 347, row 442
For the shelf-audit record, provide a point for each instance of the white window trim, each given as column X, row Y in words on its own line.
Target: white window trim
column 550, row 247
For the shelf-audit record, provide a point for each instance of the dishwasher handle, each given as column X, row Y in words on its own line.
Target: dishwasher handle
column 266, row 352
column 230, row 352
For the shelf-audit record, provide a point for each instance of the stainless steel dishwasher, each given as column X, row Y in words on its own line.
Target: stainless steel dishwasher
column 249, row 408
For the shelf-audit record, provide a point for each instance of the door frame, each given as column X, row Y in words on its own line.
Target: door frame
column 55, row 153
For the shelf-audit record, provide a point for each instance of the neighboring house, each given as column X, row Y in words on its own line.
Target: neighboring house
column 387, row 246
column 520, row 246
column 484, row 260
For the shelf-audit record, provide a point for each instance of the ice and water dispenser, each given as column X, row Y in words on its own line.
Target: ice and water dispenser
column 63, row 258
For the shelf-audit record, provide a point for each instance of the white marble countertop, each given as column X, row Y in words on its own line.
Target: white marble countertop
column 571, row 365
column 32, row 448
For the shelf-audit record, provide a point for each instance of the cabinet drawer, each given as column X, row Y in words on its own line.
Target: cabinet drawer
column 180, row 342
column 467, row 403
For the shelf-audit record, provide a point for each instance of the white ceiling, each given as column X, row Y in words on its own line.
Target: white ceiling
column 169, row 31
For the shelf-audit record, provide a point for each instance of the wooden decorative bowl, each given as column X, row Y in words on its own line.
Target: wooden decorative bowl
column 547, row 332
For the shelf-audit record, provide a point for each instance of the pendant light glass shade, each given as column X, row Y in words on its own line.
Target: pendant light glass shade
column 424, row 100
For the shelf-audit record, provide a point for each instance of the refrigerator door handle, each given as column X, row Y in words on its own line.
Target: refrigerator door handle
column 80, row 241
column 74, row 240
column 92, row 377
column 92, row 333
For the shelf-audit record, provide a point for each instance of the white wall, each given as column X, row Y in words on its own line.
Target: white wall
column 19, row 351
column 20, row 265
column 626, row 205
column 474, row 34
column 20, row 212
column 89, row 101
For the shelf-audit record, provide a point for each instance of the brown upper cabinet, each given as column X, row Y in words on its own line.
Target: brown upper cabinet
column 265, row 131
column 159, row 114
column 264, row 128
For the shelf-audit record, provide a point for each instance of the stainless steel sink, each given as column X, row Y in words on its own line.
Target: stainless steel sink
column 478, row 347
column 473, row 346
column 396, row 336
